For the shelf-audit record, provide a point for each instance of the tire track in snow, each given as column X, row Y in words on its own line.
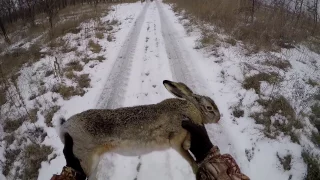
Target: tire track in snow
column 177, row 54
column 163, row 164
column 112, row 95
column 184, row 70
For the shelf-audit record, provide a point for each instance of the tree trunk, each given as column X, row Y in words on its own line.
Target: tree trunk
column 3, row 29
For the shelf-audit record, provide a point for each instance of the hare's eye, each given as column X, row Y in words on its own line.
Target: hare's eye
column 209, row 108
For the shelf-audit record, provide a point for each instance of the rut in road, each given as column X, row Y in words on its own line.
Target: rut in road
column 112, row 95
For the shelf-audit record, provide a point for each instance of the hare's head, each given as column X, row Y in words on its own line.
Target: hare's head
column 205, row 104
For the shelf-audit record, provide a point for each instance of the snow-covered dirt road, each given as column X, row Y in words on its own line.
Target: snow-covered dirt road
column 154, row 50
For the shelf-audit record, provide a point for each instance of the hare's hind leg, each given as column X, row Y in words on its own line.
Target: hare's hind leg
column 93, row 160
column 186, row 155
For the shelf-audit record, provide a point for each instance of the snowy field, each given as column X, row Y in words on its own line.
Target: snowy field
column 152, row 45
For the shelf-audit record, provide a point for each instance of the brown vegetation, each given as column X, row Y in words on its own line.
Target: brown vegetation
column 94, row 47
column 49, row 115
column 255, row 81
column 12, row 125
column 266, row 27
column 33, row 155
column 313, row 165
column 73, row 66
column 278, row 105
column 83, row 81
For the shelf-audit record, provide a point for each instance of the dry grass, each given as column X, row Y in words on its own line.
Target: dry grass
column 279, row 63
column 99, row 58
column 68, row 91
column 33, row 115
column 231, row 41
column 48, row 73
column 73, row 66
column 281, row 106
column 285, row 161
column 83, row 81
column 109, row 37
column 3, row 98
column 94, row 47
column 36, row 134
column 12, row 125
column 49, row 115
column 99, row 35
column 312, row 82
column 32, row 96
column 253, row 82
column 313, row 166
column 208, row 39
column 71, row 17
column 237, row 112
column 70, row 74
column 9, row 138
column 315, row 117
column 315, row 138
column 33, row 155
column 13, row 60
column 87, row 60
column 11, row 156
column 271, row 28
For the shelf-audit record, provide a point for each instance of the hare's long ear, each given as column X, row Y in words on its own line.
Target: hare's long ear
column 180, row 90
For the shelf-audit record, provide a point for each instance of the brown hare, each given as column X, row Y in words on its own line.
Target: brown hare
column 138, row 130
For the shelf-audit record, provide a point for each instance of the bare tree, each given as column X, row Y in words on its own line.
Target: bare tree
column 50, row 7
column 4, row 32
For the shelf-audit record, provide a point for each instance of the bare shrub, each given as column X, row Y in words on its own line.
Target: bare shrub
column 33, row 115
column 11, row 156
column 94, row 47
column 48, row 73
column 33, row 155
column 316, row 110
column 32, row 96
column 315, row 138
column 3, row 98
column 109, row 37
column 73, row 66
column 16, row 58
column 49, row 115
column 237, row 112
column 285, row 161
column 255, row 80
column 208, row 39
column 70, row 74
column 83, row 81
column 101, row 58
column 12, row 125
column 99, row 35
column 277, row 106
column 68, row 91
column 312, row 82
column 36, row 134
column 9, row 138
column 279, row 63
column 313, row 165
column 231, row 41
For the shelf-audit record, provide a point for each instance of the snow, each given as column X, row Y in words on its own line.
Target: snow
column 151, row 45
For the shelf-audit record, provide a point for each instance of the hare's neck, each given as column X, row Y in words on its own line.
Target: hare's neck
column 193, row 113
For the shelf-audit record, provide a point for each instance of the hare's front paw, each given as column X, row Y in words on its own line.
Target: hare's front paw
column 186, row 145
